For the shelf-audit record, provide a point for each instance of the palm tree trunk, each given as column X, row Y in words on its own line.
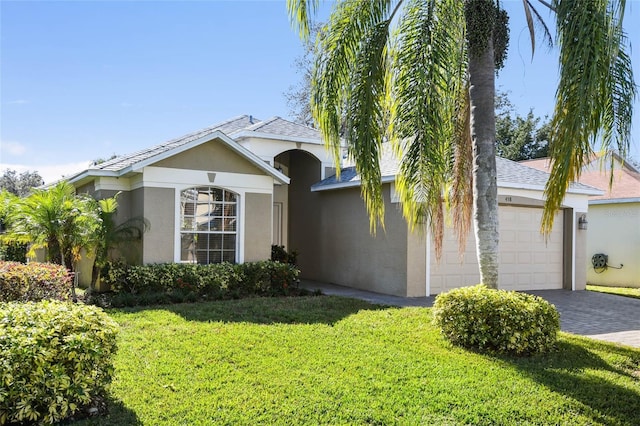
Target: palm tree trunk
column 485, row 187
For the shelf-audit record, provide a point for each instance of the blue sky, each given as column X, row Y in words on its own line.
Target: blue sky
column 82, row 80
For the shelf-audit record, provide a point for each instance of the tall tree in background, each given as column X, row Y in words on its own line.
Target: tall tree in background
column 22, row 184
column 519, row 138
column 421, row 73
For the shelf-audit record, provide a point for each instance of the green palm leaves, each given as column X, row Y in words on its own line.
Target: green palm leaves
column 595, row 94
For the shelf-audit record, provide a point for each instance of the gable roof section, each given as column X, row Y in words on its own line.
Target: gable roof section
column 279, row 128
column 510, row 175
column 626, row 180
column 135, row 162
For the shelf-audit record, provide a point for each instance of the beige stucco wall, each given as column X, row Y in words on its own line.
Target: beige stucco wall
column 416, row 263
column 614, row 230
column 211, row 156
column 349, row 255
column 257, row 229
column 158, row 207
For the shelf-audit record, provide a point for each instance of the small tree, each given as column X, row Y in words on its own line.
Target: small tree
column 109, row 235
column 55, row 219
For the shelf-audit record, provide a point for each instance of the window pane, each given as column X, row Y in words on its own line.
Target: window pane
column 203, row 257
column 188, row 223
column 216, row 194
column 215, row 257
column 216, row 224
column 229, row 196
column 229, row 256
column 229, row 242
column 229, row 210
column 187, row 249
column 215, row 241
column 229, row 224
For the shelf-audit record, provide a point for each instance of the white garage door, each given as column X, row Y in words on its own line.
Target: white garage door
column 527, row 261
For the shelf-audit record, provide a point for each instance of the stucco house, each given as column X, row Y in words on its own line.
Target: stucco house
column 227, row 192
column 613, row 221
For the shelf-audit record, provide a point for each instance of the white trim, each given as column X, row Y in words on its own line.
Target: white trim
column 615, row 201
column 533, row 187
column 427, row 266
column 253, row 134
column 240, row 246
column 573, row 248
column 160, row 177
column 348, row 184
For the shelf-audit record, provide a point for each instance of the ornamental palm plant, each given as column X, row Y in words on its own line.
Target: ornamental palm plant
column 421, row 74
column 110, row 235
column 55, row 219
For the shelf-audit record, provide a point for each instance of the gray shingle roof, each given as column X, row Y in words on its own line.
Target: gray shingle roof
column 281, row 127
column 227, row 127
column 509, row 172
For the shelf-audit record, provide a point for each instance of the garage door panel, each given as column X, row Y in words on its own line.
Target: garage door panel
column 527, row 260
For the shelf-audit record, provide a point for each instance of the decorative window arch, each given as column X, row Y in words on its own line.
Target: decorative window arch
column 208, row 225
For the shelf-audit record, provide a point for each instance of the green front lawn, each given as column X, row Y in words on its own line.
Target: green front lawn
column 329, row 360
column 620, row 291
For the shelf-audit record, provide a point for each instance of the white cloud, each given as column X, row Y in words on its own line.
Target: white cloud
column 12, row 148
column 49, row 172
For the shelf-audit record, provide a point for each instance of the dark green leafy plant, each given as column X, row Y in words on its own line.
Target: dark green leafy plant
column 174, row 282
column 497, row 320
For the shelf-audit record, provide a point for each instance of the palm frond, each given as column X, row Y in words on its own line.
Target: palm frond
column 429, row 63
column 595, row 94
column 300, row 13
column 350, row 74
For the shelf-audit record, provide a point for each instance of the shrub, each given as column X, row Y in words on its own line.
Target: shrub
column 175, row 282
column 280, row 254
column 33, row 282
column 497, row 320
column 55, row 357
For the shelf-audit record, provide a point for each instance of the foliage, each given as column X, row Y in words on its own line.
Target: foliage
column 337, row 361
column 519, row 138
column 280, row 254
column 11, row 251
column 55, row 357
column 20, row 185
column 497, row 320
column 421, row 75
column 33, row 282
column 56, row 219
column 178, row 282
column 109, row 236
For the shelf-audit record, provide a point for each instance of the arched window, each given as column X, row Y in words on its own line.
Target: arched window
column 208, row 229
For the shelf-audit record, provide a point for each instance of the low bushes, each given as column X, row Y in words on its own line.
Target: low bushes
column 175, row 282
column 55, row 357
column 497, row 320
column 33, row 282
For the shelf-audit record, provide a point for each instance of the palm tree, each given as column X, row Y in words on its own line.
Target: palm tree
column 110, row 235
column 55, row 219
column 421, row 74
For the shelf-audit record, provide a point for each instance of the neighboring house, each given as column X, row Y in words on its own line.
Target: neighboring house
column 226, row 193
column 613, row 221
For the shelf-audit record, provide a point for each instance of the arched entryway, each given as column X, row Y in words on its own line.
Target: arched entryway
column 296, row 213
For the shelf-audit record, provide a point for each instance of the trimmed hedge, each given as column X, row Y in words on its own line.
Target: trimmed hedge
column 55, row 357
column 177, row 282
column 33, row 282
column 497, row 320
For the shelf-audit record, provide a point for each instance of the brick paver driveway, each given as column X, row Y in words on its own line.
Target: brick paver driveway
column 597, row 315
column 588, row 313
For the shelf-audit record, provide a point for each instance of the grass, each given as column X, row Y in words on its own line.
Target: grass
column 329, row 360
column 620, row 291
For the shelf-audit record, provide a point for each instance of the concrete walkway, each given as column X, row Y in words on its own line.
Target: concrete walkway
column 587, row 313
